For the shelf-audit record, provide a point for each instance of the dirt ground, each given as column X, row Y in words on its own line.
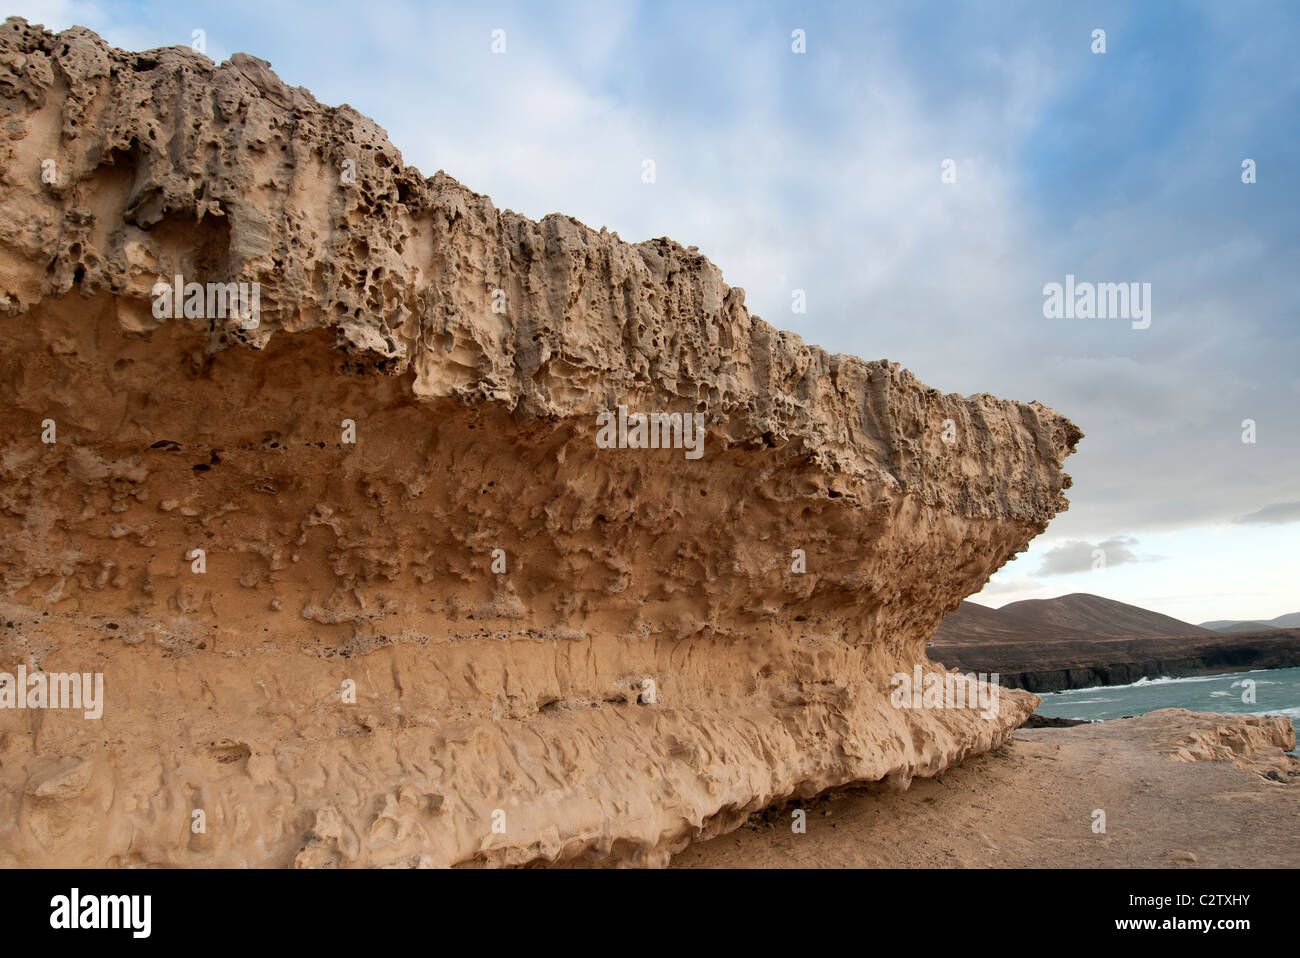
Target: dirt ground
column 1032, row 803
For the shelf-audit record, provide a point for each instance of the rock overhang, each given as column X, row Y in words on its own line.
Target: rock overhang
column 422, row 574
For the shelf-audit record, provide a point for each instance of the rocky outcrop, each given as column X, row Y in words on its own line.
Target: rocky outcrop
column 363, row 584
column 1259, row 743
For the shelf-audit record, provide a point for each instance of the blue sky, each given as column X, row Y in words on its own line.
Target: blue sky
column 821, row 171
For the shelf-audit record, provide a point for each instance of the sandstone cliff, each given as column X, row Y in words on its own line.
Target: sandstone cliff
column 433, row 621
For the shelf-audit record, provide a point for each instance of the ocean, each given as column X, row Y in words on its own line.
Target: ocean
column 1276, row 692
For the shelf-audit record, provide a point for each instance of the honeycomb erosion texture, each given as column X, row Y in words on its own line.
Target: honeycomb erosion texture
column 330, row 563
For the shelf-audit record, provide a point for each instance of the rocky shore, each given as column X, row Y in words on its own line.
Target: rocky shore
column 1060, row 664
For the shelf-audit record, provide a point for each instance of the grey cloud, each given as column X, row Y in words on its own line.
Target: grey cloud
column 1078, row 555
column 1272, row 515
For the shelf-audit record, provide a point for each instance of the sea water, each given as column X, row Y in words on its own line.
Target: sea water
column 1263, row 692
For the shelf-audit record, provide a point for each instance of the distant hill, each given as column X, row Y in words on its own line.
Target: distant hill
column 1289, row 621
column 1080, row 641
column 1229, row 625
column 1066, row 618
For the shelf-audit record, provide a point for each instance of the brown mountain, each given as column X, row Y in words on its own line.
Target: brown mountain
column 1081, row 640
column 1071, row 617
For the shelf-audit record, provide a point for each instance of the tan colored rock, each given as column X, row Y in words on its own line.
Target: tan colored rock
column 1256, row 742
column 649, row 667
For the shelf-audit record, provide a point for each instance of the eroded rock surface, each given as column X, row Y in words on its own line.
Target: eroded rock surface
column 352, row 679
column 1256, row 742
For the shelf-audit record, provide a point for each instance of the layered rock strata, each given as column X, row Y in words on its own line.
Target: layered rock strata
column 362, row 584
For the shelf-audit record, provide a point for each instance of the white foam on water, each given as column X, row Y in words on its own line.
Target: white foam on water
column 1167, row 680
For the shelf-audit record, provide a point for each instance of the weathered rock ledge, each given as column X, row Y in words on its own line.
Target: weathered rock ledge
column 352, row 678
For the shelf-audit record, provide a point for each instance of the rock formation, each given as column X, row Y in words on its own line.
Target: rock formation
column 1258, row 743
column 363, row 586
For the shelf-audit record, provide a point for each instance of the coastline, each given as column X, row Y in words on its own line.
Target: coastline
column 1056, row 666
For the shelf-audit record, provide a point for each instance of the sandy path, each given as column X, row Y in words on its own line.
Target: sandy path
column 1030, row 804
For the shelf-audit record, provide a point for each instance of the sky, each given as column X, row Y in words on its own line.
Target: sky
column 922, row 172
